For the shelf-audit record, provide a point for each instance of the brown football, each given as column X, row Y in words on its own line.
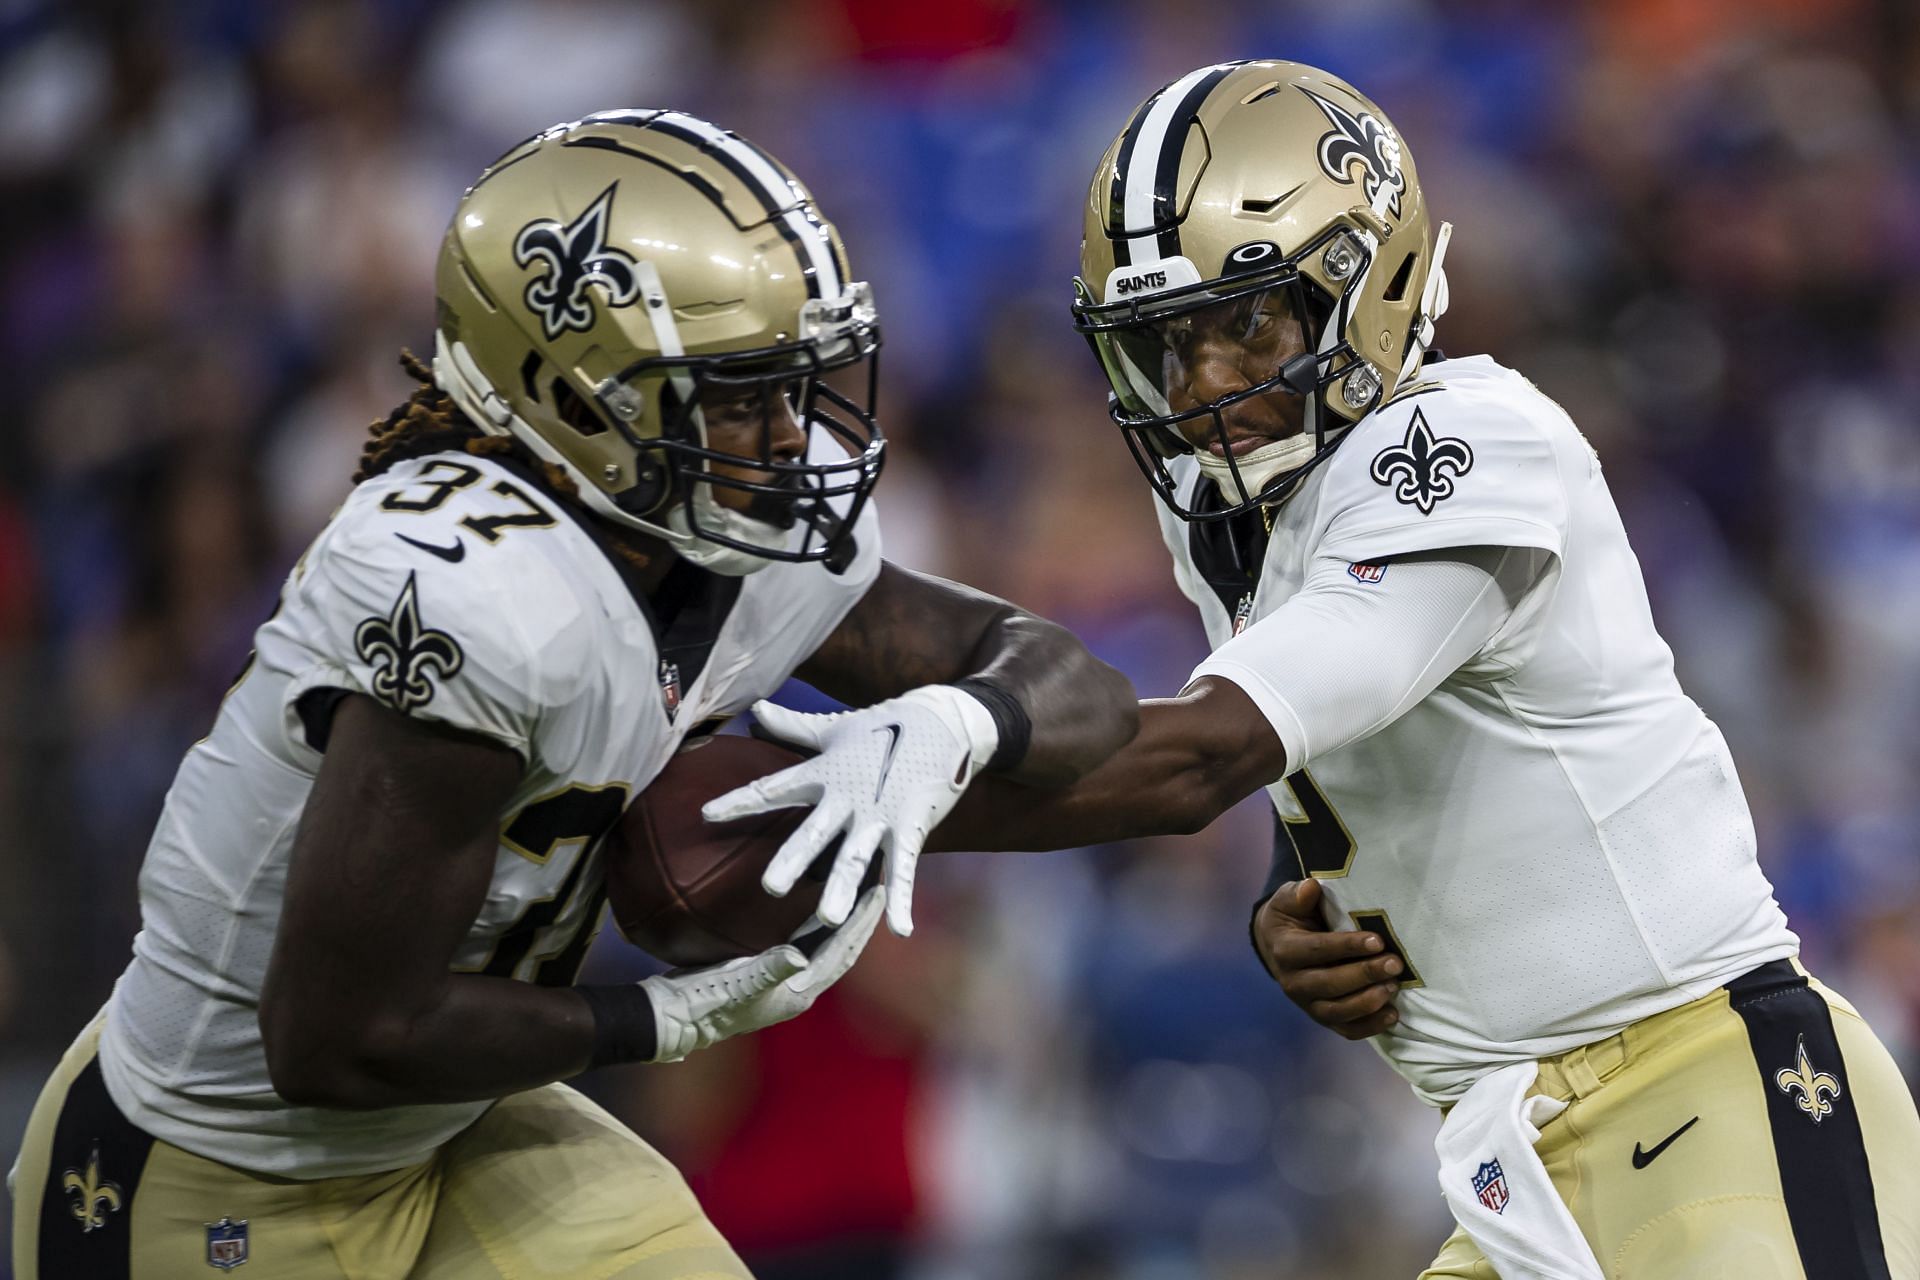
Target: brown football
column 687, row 891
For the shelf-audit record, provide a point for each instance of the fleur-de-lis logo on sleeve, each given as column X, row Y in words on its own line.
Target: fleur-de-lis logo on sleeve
column 1421, row 469
column 97, row 1198
column 1812, row 1087
column 574, row 256
column 404, row 654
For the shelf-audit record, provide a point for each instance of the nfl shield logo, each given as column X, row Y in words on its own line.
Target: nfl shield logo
column 226, row 1243
column 1491, row 1186
column 1367, row 572
column 670, row 688
column 1243, row 613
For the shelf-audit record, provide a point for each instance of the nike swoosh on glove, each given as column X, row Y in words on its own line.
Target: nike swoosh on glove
column 884, row 777
column 700, row 1007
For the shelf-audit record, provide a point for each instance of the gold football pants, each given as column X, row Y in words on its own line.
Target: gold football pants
column 1759, row 1133
column 544, row 1186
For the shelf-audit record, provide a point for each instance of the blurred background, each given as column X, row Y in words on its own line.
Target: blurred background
column 1696, row 223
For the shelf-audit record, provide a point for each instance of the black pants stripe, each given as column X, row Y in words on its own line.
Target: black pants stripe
column 1816, row 1128
column 86, row 1213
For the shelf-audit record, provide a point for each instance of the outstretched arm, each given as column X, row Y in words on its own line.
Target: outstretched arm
column 1194, row 757
column 913, row 629
column 951, row 683
column 1337, row 662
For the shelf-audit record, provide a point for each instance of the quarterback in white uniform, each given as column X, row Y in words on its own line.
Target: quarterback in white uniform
column 1516, row 855
column 623, row 505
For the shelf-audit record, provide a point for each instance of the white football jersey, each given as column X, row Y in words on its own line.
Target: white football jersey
column 453, row 589
column 1554, row 838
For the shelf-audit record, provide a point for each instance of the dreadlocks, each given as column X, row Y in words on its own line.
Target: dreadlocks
column 430, row 422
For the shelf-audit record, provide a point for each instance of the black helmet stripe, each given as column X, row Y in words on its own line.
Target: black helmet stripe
column 698, row 182
column 1147, row 172
column 1166, row 177
column 796, row 222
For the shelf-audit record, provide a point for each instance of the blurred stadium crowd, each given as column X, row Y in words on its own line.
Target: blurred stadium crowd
column 1694, row 222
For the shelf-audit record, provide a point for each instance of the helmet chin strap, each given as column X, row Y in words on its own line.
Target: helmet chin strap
column 716, row 557
column 1257, row 468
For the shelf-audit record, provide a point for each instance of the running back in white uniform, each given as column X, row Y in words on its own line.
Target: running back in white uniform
column 1554, row 838
column 453, row 589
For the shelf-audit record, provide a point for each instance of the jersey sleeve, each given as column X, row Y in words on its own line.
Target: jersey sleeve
column 481, row 645
column 1447, row 469
column 1349, row 654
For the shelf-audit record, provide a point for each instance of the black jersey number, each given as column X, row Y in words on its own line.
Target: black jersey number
column 530, row 516
column 426, row 495
column 1326, row 850
column 577, row 818
column 437, row 491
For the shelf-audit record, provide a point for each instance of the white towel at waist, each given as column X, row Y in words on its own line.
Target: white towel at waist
column 1497, row 1186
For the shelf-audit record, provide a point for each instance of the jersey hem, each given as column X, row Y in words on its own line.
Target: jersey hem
column 298, row 1159
column 1685, row 993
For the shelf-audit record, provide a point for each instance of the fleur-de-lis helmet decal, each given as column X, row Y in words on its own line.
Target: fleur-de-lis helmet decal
column 1364, row 138
column 574, row 256
column 1421, row 469
column 405, row 654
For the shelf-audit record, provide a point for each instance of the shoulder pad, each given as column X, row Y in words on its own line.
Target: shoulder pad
column 1471, row 464
column 429, row 617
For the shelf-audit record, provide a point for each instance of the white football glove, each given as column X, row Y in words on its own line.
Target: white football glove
column 700, row 1007
column 885, row 777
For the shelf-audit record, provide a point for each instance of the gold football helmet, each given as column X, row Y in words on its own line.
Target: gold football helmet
column 606, row 276
column 1270, row 207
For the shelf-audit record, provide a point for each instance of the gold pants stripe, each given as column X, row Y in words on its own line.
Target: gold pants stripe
column 545, row 1186
column 1680, row 1158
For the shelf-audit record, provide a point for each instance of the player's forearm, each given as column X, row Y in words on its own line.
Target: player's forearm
column 1081, row 710
column 911, row 630
column 1185, row 766
column 479, row 1038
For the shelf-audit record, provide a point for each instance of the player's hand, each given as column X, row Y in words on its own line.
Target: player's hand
column 1340, row 978
column 884, row 777
column 700, row 1007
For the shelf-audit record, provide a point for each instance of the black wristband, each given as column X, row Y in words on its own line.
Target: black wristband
column 623, row 1026
column 1009, row 717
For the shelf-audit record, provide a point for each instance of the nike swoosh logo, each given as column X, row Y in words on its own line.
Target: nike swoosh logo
column 452, row 555
column 1641, row 1159
column 886, row 762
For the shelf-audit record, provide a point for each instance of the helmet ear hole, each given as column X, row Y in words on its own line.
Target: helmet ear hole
column 1397, row 287
column 571, row 409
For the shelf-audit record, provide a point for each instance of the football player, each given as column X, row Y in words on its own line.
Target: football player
column 629, row 499
column 1518, row 857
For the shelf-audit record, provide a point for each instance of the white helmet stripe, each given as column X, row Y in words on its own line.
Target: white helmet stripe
column 748, row 163
column 1163, row 126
